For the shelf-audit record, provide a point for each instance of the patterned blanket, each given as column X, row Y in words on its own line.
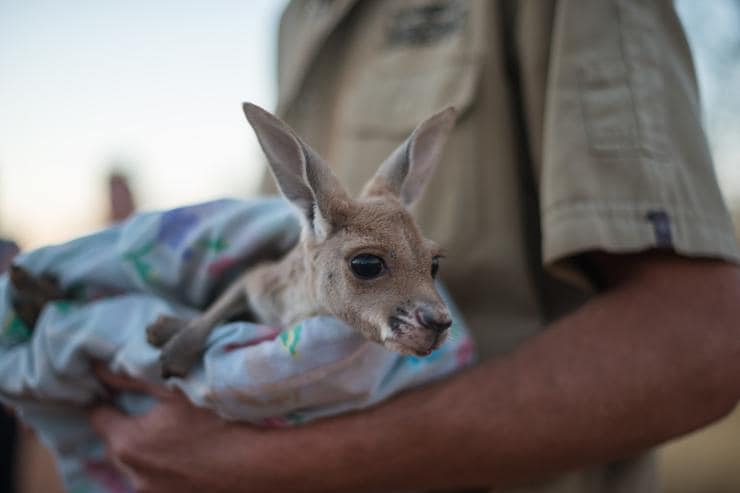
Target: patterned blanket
column 174, row 262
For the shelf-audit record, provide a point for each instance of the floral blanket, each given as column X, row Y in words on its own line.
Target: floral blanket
column 174, row 262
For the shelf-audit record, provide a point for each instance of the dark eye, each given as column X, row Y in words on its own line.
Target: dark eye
column 366, row 266
column 435, row 266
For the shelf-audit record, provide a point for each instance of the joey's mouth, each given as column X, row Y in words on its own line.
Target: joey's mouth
column 409, row 338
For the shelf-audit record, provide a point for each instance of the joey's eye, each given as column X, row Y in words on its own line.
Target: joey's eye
column 366, row 266
column 435, row 266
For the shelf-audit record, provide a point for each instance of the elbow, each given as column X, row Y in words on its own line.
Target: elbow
column 706, row 383
column 697, row 323
column 728, row 358
column 725, row 367
column 717, row 401
column 718, row 333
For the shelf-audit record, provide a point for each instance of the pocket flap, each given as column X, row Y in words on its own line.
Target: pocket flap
column 396, row 104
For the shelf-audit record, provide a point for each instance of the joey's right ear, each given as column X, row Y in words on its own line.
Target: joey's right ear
column 407, row 170
column 301, row 175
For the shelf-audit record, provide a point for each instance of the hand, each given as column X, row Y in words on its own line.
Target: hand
column 179, row 447
column 174, row 447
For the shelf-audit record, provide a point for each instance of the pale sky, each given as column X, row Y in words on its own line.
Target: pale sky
column 713, row 29
column 158, row 86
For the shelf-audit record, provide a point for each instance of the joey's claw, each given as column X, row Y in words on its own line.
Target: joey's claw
column 180, row 354
column 163, row 329
column 29, row 293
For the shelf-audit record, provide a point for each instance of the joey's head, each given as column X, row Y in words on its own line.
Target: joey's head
column 368, row 262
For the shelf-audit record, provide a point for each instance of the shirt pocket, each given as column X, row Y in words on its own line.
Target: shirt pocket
column 392, row 104
column 426, row 56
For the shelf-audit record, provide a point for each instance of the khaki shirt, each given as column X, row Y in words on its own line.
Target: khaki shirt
column 579, row 130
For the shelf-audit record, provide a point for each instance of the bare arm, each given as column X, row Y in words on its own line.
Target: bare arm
column 657, row 355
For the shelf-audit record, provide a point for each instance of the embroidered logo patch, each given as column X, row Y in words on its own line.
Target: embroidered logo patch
column 426, row 24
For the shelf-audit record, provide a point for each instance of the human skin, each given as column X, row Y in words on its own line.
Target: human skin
column 654, row 356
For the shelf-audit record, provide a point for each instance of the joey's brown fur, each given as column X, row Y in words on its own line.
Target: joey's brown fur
column 342, row 240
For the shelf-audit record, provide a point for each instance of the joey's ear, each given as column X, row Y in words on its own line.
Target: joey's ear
column 406, row 171
column 301, row 175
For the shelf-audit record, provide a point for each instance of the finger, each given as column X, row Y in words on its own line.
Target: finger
column 108, row 422
column 119, row 382
column 115, row 430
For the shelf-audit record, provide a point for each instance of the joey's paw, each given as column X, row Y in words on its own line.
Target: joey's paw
column 180, row 354
column 163, row 329
column 29, row 293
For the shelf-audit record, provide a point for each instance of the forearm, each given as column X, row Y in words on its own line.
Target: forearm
column 621, row 374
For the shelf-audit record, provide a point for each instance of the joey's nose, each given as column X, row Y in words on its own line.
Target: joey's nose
column 433, row 319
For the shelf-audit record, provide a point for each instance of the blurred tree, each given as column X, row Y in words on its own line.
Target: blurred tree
column 120, row 198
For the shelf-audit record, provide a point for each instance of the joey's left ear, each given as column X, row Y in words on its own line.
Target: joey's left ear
column 406, row 171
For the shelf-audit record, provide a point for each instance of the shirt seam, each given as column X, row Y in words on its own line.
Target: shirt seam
column 620, row 210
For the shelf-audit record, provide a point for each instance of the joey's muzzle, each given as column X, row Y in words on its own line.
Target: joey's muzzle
column 419, row 331
column 434, row 319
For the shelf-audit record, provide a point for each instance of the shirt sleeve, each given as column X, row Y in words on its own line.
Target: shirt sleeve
column 625, row 163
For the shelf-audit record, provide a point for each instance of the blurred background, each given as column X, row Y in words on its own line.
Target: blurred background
column 107, row 105
column 149, row 89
